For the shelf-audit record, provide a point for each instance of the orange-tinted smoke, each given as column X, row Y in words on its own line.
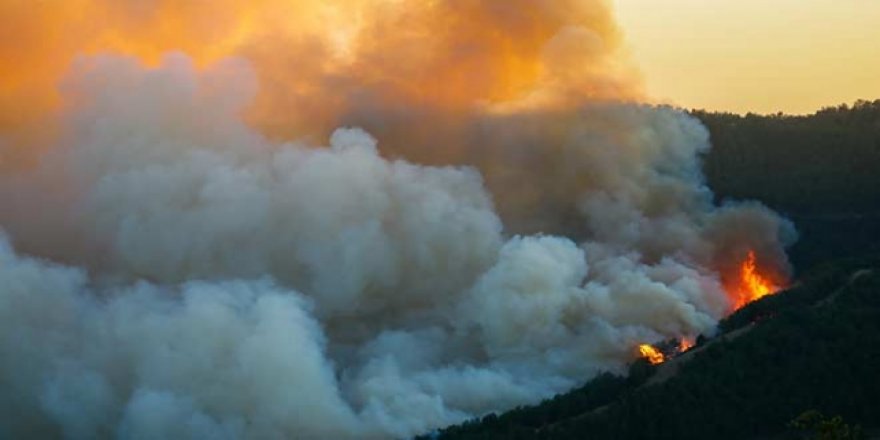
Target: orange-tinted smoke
column 40, row 39
column 321, row 62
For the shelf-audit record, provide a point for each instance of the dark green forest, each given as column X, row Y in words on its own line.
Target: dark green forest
column 822, row 164
column 801, row 364
column 822, row 171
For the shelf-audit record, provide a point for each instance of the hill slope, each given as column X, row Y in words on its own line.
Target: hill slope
column 819, row 170
column 815, row 346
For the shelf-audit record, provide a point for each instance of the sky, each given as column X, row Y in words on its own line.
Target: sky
column 763, row 56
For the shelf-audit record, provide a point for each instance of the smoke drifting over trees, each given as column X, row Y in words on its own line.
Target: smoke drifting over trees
column 170, row 269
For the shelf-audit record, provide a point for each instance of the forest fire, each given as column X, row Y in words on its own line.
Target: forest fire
column 753, row 285
column 650, row 353
column 685, row 344
column 376, row 202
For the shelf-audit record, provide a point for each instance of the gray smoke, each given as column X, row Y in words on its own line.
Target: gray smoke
column 178, row 275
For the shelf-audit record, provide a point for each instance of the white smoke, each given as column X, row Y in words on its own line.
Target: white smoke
column 210, row 283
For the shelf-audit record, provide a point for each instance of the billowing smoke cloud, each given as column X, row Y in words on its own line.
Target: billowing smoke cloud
column 171, row 269
column 323, row 63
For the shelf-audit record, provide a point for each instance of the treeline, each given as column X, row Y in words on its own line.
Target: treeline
column 822, row 164
column 813, row 349
column 822, row 171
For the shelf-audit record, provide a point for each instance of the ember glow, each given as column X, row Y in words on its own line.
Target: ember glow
column 685, row 344
column 650, row 353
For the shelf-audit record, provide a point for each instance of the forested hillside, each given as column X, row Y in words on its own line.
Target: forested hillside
column 822, row 171
column 778, row 364
column 823, row 164
column 812, row 349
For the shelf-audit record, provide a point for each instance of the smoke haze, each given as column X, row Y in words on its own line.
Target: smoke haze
column 373, row 222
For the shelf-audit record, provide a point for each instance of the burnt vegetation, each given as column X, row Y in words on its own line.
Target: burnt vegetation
column 801, row 364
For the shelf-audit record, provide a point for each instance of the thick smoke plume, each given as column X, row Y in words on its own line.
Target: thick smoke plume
column 496, row 220
column 323, row 63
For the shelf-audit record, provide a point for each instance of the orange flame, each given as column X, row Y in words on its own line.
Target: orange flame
column 650, row 353
column 753, row 286
column 685, row 344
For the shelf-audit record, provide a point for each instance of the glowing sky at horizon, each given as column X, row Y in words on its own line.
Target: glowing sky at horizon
column 763, row 56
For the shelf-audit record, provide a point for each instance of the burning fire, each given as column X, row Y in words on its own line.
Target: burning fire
column 650, row 353
column 685, row 344
column 753, row 285
column 750, row 285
